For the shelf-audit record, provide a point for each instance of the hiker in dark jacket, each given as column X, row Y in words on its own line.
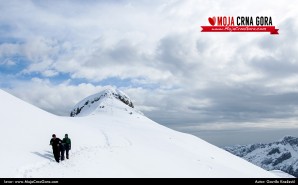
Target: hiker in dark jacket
column 62, row 151
column 55, row 142
column 67, row 145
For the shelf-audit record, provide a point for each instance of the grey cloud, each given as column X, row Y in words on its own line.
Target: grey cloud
column 178, row 54
column 122, row 60
column 279, row 54
column 202, row 45
column 124, row 52
column 245, row 103
column 275, row 67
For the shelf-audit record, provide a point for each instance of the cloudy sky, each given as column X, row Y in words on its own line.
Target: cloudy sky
column 54, row 53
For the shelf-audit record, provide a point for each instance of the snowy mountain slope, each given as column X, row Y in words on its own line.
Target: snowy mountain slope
column 281, row 155
column 105, row 145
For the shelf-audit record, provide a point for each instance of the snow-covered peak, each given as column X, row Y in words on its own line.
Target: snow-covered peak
column 289, row 140
column 105, row 101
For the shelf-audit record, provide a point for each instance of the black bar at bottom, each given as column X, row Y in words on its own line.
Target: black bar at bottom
column 210, row 181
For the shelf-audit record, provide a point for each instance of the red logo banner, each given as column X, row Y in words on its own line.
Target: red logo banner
column 270, row 29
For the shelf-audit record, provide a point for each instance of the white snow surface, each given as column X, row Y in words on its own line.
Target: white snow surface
column 107, row 144
column 282, row 174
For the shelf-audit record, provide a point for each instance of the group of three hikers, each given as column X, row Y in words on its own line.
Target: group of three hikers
column 60, row 146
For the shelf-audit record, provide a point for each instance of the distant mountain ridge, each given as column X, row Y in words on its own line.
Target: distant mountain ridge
column 280, row 155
